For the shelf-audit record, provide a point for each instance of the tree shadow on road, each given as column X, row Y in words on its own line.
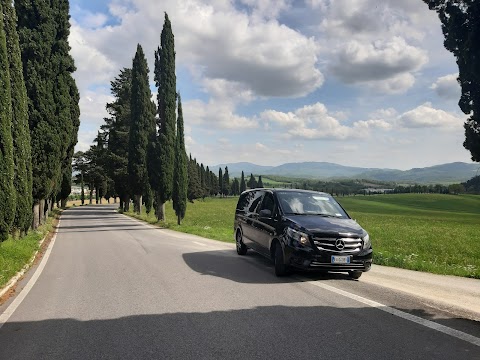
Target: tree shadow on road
column 264, row 332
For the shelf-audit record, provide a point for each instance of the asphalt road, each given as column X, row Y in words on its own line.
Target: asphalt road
column 114, row 288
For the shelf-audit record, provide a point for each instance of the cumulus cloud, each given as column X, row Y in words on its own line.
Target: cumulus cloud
column 216, row 114
column 219, row 41
column 93, row 66
column 314, row 122
column 380, row 60
column 447, row 87
column 425, row 116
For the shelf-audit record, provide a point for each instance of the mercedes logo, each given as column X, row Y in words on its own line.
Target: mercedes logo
column 340, row 244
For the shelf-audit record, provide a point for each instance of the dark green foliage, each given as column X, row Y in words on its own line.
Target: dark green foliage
column 220, row 181
column 226, row 182
column 140, row 125
column 180, row 174
column 20, row 131
column 43, row 29
column 163, row 153
column 117, row 126
column 65, row 95
column 37, row 31
column 235, row 187
column 472, row 185
column 7, row 190
column 252, row 183
column 461, row 28
column 243, row 184
column 194, row 188
column 260, row 182
column 148, row 199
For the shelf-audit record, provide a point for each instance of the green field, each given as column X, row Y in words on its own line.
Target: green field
column 427, row 232
column 15, row 254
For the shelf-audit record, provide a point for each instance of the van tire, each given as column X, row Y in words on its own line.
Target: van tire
column 355, row 274
column 241, row 247
column 280, row 268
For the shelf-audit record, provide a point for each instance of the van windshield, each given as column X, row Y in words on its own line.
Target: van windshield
column 306, row 203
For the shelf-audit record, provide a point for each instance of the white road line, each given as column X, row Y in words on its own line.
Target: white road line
column 21, row 296
column 199, row 243
column 418, row 320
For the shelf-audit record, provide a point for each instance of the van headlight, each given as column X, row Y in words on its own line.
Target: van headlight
column 366, row 242
column 298, row 236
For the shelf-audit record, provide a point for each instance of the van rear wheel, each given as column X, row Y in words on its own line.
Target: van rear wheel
column 241, row 247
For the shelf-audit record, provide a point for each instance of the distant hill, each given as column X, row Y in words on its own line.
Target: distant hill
column 444, row 173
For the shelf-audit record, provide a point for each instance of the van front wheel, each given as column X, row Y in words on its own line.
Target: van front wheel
column 355, row 274
column 280, row 268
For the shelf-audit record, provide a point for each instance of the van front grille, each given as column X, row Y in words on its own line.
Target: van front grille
column 338, row 245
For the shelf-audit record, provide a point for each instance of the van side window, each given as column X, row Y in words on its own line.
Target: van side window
column 268, row 203
column 255, row 201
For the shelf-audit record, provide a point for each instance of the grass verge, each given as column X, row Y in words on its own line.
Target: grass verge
column 15, row 254
column 426, row 232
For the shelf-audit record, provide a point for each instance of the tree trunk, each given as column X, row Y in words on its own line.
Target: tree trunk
column 36, row 215
column 160, row 211
column 41, row 215
column 137, row 204
column 179, row 219
column 82, row 195
column 64, row 203
column 121, row 204
column 91, row 197
column 127, row 204
column 46, row 210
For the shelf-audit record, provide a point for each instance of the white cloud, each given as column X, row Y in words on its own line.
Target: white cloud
column 425, row 116
column 216, row 114
column 312, row 122
column 221, row 42
column 380, row 60
column 447, row 87
column 92, row 105
column 93, row 66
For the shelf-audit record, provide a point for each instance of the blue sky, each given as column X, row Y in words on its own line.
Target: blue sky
column 355, row 82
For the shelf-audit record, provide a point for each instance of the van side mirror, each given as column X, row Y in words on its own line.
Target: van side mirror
column 265, row 213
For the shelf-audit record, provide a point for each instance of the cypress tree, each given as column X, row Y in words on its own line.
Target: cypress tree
column 220, row 181
column 260, row 182
column 7, row 190
column 37, row 32
column 140, row 125
column 66, row 98
column 118, row 128
column 194, row 189
column 163, row 151
column 252, row 183
column 20, row 132
column 243, row 185
column 180, row 174
column 226, row 182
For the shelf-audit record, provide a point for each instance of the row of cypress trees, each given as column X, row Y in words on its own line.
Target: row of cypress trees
column 140, row 150
column 39, row 113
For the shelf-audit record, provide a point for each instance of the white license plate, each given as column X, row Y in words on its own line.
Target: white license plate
column 340, row 259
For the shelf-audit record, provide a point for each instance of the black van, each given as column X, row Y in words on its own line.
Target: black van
column 301, row 229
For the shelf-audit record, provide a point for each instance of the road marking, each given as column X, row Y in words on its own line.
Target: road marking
column 199, row 243
column 24, row 292
column 418, row 320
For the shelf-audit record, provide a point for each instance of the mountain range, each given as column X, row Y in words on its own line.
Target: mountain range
column 445, row 173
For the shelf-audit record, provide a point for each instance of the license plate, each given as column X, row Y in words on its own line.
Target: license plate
column 340, row 259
